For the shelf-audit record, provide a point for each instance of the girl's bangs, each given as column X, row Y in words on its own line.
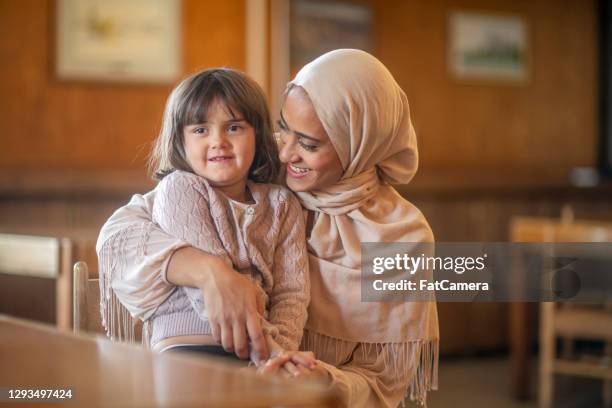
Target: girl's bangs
column 197, row 104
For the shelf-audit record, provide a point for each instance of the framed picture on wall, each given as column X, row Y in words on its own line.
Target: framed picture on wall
column 491, row 47
column 317, row 27
column 301, row 30
column 118, row 40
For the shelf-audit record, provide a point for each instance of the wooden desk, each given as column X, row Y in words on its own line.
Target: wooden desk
column 102, row 373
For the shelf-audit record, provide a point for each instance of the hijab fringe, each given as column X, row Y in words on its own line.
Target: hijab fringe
column 119, row 325
column 398, row 357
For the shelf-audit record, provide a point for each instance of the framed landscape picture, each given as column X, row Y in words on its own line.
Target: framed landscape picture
column 492, row 47
column 118, row 40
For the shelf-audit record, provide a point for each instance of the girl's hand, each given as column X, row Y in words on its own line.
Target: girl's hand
column 234, row 312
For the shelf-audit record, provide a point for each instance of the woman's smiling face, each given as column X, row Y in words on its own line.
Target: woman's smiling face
column 311, row 160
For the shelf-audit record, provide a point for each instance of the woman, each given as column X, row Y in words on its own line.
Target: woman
column 346, row 135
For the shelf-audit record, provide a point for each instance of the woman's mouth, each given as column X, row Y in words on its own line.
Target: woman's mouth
column 296, row 172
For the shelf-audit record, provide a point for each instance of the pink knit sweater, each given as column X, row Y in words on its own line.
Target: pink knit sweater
column 268, row 246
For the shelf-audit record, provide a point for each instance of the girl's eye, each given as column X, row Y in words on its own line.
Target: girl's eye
column 199, row 130
column 307, row 147
column 235, row 128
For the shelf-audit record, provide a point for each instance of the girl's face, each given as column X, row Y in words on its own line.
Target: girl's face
column 221, row 149
column 312, row 162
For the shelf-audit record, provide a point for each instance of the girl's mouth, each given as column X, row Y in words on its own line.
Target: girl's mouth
column 220, row 159
column 296, row 172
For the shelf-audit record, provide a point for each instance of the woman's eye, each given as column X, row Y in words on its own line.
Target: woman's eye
column 282, row 137
column 278, row 138
column 281, row 126
column 310, row 148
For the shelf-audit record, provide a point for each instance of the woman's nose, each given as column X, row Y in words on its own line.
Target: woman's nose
column 287, row 153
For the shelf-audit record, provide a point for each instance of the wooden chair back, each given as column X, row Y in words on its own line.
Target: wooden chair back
column 86, row 301
column 87, row 316
column 41, row 257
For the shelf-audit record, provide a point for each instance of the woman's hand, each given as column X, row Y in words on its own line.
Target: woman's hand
column 230, row 299
column 319, row 373
column 297, row 364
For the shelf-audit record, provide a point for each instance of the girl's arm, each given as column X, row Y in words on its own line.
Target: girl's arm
column 291, row 291
column 143, row 265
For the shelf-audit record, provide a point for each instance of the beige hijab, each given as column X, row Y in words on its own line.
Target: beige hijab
column 367, row 118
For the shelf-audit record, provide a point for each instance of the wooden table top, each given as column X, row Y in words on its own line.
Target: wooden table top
column 102, row 373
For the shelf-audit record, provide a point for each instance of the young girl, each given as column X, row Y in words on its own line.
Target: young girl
column 215, row 158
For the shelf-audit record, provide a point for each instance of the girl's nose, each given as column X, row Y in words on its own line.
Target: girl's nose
column 218, row 140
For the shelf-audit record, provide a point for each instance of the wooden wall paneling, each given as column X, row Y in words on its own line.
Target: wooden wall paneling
column 487, row 327
column 547, row 122
column 460, row 124
column 28, row 297
column 455, row 335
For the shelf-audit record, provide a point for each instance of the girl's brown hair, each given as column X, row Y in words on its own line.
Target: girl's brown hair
column 188, row 104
